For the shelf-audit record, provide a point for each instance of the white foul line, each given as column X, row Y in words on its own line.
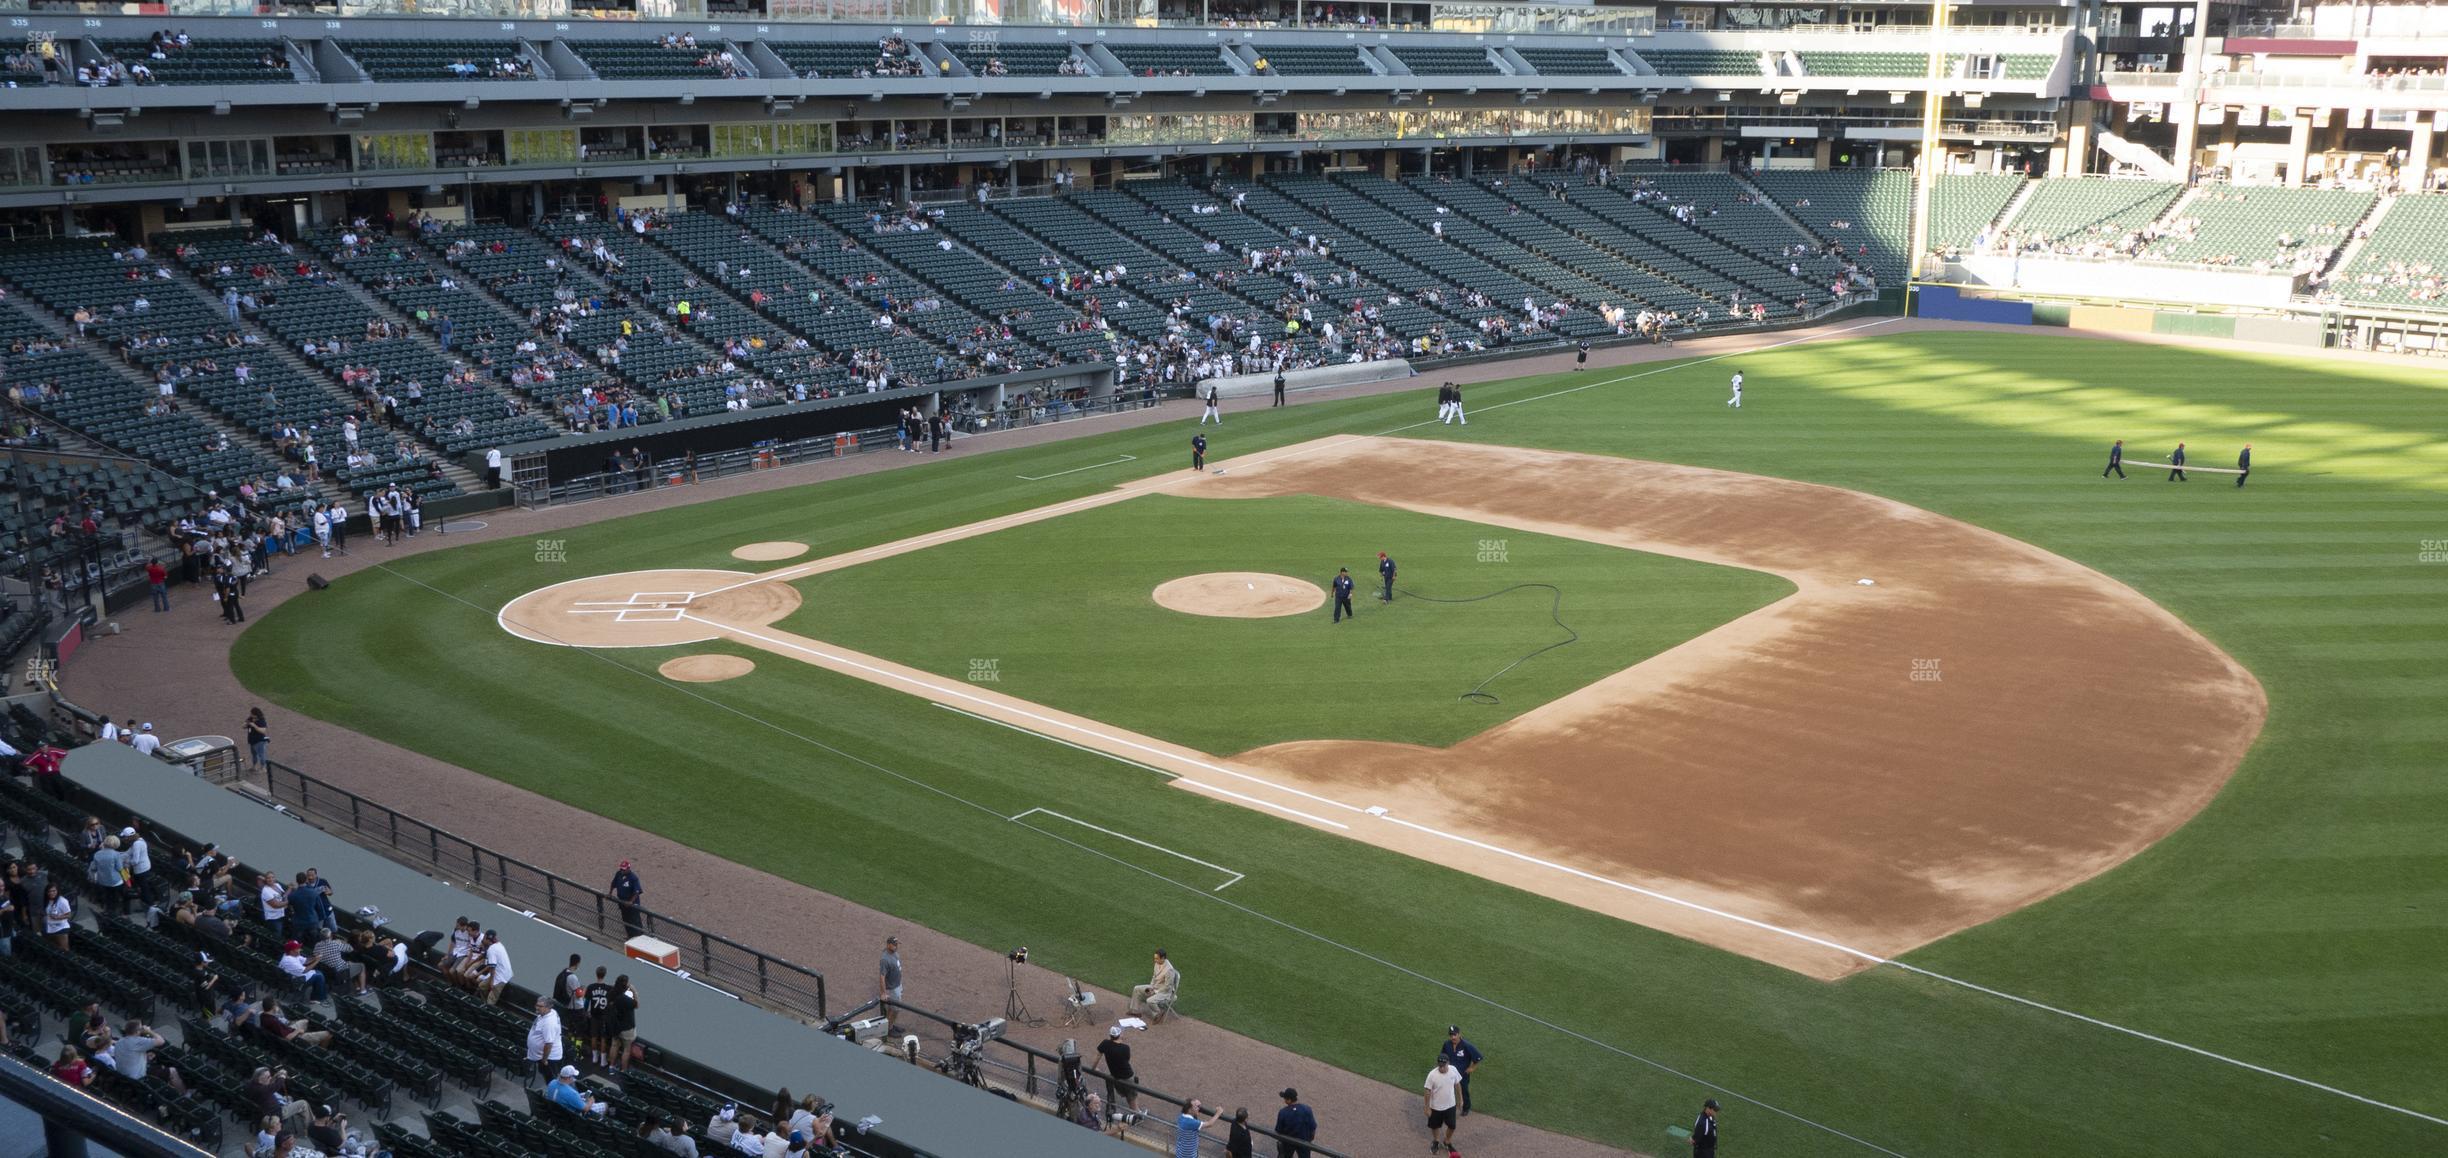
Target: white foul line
column 1311, row 817
column 1075, row 470
column 1064, row 743
column 933, row 689
column 1236, row 877
column 1864, row 955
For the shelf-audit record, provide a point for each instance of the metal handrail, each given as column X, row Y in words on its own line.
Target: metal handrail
column 716, row 960
column 1032, row 1068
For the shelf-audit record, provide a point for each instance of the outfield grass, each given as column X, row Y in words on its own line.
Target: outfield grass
column 2296, row 923
column 1061, row 612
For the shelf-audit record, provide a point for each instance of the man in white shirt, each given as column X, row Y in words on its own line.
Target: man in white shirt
column 110, row 730
column 544, row 1038
column 293, row 963
column 322, row 530
column 1439, row 1092
column 145, row 743
column 497, row 966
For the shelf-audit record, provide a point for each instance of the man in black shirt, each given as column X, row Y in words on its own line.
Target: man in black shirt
column 1464, row 1056
column 1342, row 595
column 624, row 1021
column 1581, row 356
column 599, row 1021
column 1385, row 571
column 1198, row 452
column 1279, row 386
column 1115, row 1055
column 1704, row 1131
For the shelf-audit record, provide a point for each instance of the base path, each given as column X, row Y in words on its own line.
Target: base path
column 1824, row 783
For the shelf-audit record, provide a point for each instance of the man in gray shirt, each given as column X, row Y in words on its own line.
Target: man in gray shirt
column 134, row 1050
column 888, row 982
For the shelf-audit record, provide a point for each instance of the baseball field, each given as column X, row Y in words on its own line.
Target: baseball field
column 2104, row 818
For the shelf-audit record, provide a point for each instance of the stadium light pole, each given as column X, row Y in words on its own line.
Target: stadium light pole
column 1933, row 114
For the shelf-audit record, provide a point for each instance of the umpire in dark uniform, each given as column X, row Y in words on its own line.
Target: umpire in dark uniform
column 1279, row 386
column 1462, row 1055
column 2176, row 460
column 1342, row 595
column 2116, row 459
column 1704, row 1131
column 1385, row 571
column 1198, row 452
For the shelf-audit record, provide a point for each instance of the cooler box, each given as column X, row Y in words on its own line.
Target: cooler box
column 662, row 953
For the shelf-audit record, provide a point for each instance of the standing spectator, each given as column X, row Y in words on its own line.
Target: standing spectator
column 44, row 767
column 145, row 742
column 139, row 864
column 630, row 892
column 1440, row 1093
column 158, row 578
column 544, row 1039
column 1704, row 1131
column 624, row 1022
column 275, row 899
column 1297, row 1124
column 1115, row 1055
column 1186, row 1129
column 599, row 1021
column 888, row 983
column 258, row 738
column 1464, row 1056
column 496, row 974
column 107, row 872
column 1237, row 1142
column 569, row 994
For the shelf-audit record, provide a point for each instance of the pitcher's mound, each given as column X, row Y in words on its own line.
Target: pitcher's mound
column 705, row 669
column 1240, row 595
column 768, row 552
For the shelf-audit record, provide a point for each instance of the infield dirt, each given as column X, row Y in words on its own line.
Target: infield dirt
column 1836, row 778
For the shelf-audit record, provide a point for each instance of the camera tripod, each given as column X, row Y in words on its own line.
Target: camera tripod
column 1015, row 1008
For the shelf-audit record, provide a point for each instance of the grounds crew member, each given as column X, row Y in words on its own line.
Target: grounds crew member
column 1342, row 595
column 1385, row 570
column 1464, row 1056
column 1279, row 386
column 2176, row 460
column 1704, row 1131
column 1198, row 452
column 2244, row 464
column 2116, row 459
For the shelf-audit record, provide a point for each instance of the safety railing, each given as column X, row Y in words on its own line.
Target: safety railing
column 1017, row 414
column 716, row 960
column 1059, row 1084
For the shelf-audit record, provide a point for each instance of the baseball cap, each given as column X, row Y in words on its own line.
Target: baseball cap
column 1710, row 1104
column 1289, row 1094
column 291, row 946
column 148, row 726
column 1116, row 1031
column 1452, row 1029
column 128, row 831
column 624, row 864
column 569, row 1071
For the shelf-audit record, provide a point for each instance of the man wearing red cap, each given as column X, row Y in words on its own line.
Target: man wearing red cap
column 630, row 892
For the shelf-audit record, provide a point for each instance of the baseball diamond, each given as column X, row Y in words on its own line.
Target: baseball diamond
column 2011, row 747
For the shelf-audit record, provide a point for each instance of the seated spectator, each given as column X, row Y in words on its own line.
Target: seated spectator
column 668, row 1135
column 331, row 960
column 132, row 1053
column 565, row 1093
column 279, row 1028
column 268, row 1089
column 72, row 1067
column 328, row 1130
column 293, row 962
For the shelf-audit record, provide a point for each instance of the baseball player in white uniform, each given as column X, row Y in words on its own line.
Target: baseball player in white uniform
column 1736, row 400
